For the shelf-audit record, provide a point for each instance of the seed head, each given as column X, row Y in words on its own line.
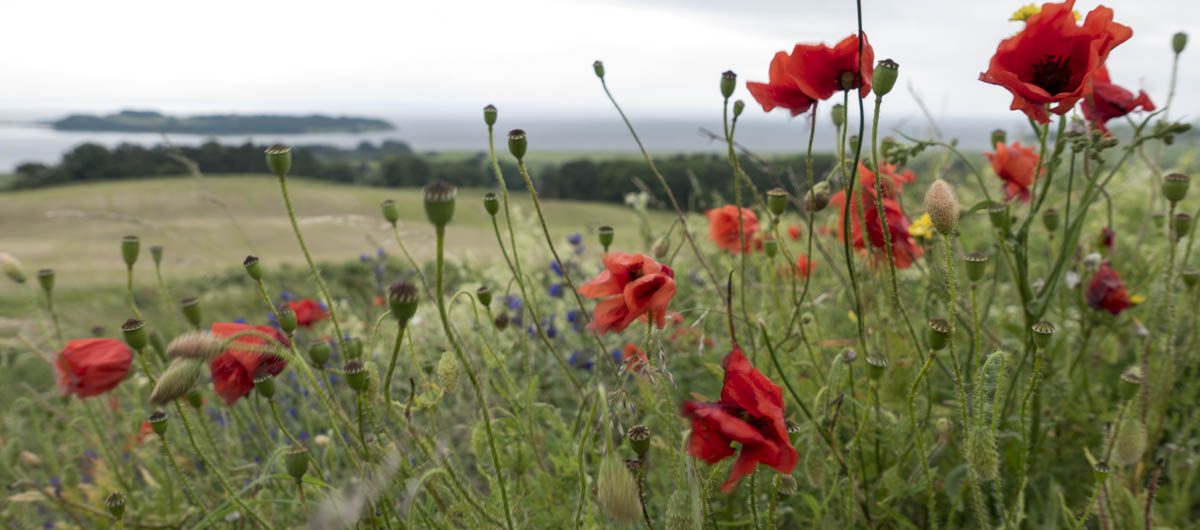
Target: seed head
column 391, row 211
column 279, row 159
column 439, row 202
column 403, row 298
column 135, row 334
column 253, row 267
column 130, row 247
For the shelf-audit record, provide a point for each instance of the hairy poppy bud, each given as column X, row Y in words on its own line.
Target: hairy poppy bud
column 817, row 198
column 130, row 247
column 1179, row 42
column 661, row 248
column 999, row 136
column 135, row 334
column 982, row 455
column 518, row 143
column 439, row 202
column 489, row 115
column 402, row 300
column 771, row 247
column 785, row 485
column 617, row 491
column 939, row 333
column 319, row 352
column 176, row 380
column 849, row 355
column 115, row 502
column 1191, row 276
column 598, row 67
column 1130, row 442
column 391, row 212
column 605, row 235
column 639, row 439
column 1050, row 219
column 681, row 513
column 777, row 201
column 1175, row 186
column 448, row 371
column 942, row 205
column 738, row 107
column 484, row 295
column 838, row 115
column 265, row 385
column 998, row 214
column 876, row 365
column 157, row 343
column 886, row 72
column 194, row 398
column 158, row 422
column 491, row 203
column 1132, row 380
column 12, row 268
column 46, row 279
column 191, row 310
column 728, row 83
column 1042, row 331
column 199, row 345
column 501, row 321
column 295, row 461
column 279, row 159
column 356, row 375
column 253, row 268
column 1182, row 225
column 156, row 254
column 976, row 265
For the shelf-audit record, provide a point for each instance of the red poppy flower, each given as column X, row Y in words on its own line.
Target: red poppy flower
column 804, row 266
column 631, row 285
column 723, row 228
column 781, row 91
column 90, row 367
column 1108, row 238
column 795, row 232
column 308, row 312
column 635, row 359
column 892, row 185
column 1108, row 101
column 1107, row 291
column 904, row 249
column 233, row 371
column 750, row 413
column 1053, row 60
column 1016, row 166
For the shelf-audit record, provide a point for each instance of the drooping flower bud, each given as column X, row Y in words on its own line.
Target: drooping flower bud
column 942, row 205
column 391, row 211
column 46, row 280
column 1179, row 42
column 876, row 366
column 489, row 115
column 639, row 439
column 253, row 267
column 279, row 159
column 1042, row 331
column 1175, row 186
column 939, row 333
column 976, row 265
column 439, row 202
column 1050, row 219
column 886, row 72
column 661, row 248
column 852, row 142
column 605, row 235
column 838, row 115
column 777, row 201
column 1182, row 225
column 156, row 254
column 115, row 502
column 518, row 143
column 403, row 298
column 491, row 203
column 728, row 83
column 501, row 321
column 295, row 461
column 1130, row 443
column 739, row 106
column 135, row 334
column 484, row 295
column 998, row 214
column 130, row 247
column 265, row 386
column 176, row 380
column 319, row 352
column 158, row 422
column 817, row 198
column 356, row 375
column 12, row 268
column 199, row 345
column 617, row 491
column 448, row 371
column 191, row 310
column 598, row 67
column 999, row 136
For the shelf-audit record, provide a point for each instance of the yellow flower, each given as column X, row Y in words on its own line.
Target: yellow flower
column 1137, row 299
column 1026, row 11
column 922, row 227
column 852, row 316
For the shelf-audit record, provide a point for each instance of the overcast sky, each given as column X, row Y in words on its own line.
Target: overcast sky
column 531, row 57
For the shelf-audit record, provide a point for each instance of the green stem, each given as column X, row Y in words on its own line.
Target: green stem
column 129, row 292
column 387, row 380
column 411, row 261
column 931, row 498
column 234, row 496
column 312, row 266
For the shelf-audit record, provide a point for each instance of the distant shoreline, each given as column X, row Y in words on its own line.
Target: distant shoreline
column 134, row 121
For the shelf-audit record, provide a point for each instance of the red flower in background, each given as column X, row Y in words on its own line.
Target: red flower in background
column 1016, row 165
column 795, row 231
column 1108, row 101
column 750, row 413
column 1108, row 238
column 804, row 266
column 1107, row 291
column 904, row 249
column 233, row 371
column 781, row 91
column 631, row 285
column 635, row 359
column 308, row 312
column 814, row 72
column 723, row 228
column 89, row 367
column 1051, row 63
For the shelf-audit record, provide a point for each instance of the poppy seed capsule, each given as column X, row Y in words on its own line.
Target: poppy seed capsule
column 489, row 115
column 391, row 212
column 876, row 365
column 942, row 205
column 1042, row 331
column 939, row 333
column 853, row 143
column 1050, row 219
column 999, row 137
column 777, row 201
column 265, row 386
column 998, row 215
column 130, row 247
column 356, row 375
column 439, row 202
column 191, row 310
column 484, row 295
column 194, row 398
column 135, row 334
column 598, row 67
column 156, row 254
column 886, row 72
column 518, row 143
column 253, row 267
column 1132, row 380
column 1175, row 186
column 1179, row 42
column 491, row 203
column 976, row 265
column 115, row 502
column 1191, row 277
column 738, row 107
column 1101, row 471
column 295, row 461
column 158, row 422
column 1157, row 218
column 728, row 83
column 1182, row 225
column 848, row 80
column 403, row 298
column 605, row 235
column 319, row 352
column 639, row 439
column 771, row 247
column 46, row 279
column 838, row 115
column 287, row 319
column 279, row 159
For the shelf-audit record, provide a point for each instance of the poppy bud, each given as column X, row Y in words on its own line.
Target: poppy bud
column 130, row 246
column 876, row 365
column 46, row 279
column 191, row 310
column 785, row 485
column 295, row 460
column 886, row 72
column 279, row 159
column 391, row 212
column 439, row 202
column 1179, row 42
column 402, row 300
column 356, row 375
column 661, row 248
column 738, row 107
column 484, row 295
column 728, row 83
column 115, row 502
column 777, row 201
column 489, row 115
column 318, row 352
column 491, row 203
column 849, row 356
column 976, row 265
column 1130, row 443
column 848, row 79
column 253, row 268
column 265, row 385
column 598, row 67
column 448, row 371
column 617, row 491
column 176, row 380
column 605, row 234
column 939, row 333
column 982, row 455
column 838, row 115
column 681, row 514
column 156, row 254
column 1191, row 276
column 1101, row 471
column 1050, row 219
column 198, row 345
column 1042, row 331
column 1132, row 380
column 853, row 143
column 1175, row 186
column 771, row 247
column 639, row 439
column 195, row 399
column 135, row 334
column 998, row 214
column 1182, row 225
column 518, row 143
column 12, row 267
column 942, row 205
column 999, row 136
column 817, row 198
column 158, row 422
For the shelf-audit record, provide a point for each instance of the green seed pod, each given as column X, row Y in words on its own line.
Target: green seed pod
column 853, row 144
column 491, row 203
column 391, row 211
column 484, row 295
column 999, row 137
column 253, row 267
column 617, row 491
column 1182, row 225
column 838, row 115
column 265, row 386
column 739, row 106
column 489, row 115
column 876, row 366
column 1132, row 380
column 1050, row 219
column 179, row 377
column 1179, row 42
column 1130, row 443
column 728, row 83
column 356, row 375
column 1042, row 332
column 976, row 265
column 439, row 202
column 598, row 67
column 194, row 398
column 130, row 247
column 886, row 72
column 279, row 159
column 191, row 310
column 115, row 502
column 639, row 439
column 158, row 422
column 1101, row 471
column 46, row 280
column 777, row 200
column 518, row 143
column 287, row 319
column 982, row 455
column 295, row 461
column 1191, row 276
column 135, row 334
column 605, row 234
column 848, row 80
column 403, row 298
column 1175, row 186
column 319, row 352
column 1000, row 217
column 1158, row 218
column 771, row 247
column 156, row 254
column 939, row 333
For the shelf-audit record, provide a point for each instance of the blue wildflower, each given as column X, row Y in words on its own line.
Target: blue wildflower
column 364, row 258
column 617, row 355
column 286, row 296
column 379, row 253
column 556, row 267
column 579, row 360
column 556, row 290
column 240, row 320
column 514, row 302
column 575, row 239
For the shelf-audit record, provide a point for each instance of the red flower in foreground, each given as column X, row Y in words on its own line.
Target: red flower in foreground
column 804, row 266
column 308, row 312
column 1107, row 291
column 904, row 249
column 723, row 228
column 1016, row 166
column 750, row 413
column 1108, row 101
column 233, row 371
column 1053, row 60
column 631, row 285
column 89, row 367
column 781, row 91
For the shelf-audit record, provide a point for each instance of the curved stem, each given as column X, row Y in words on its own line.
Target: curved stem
column 312, row 267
